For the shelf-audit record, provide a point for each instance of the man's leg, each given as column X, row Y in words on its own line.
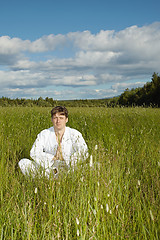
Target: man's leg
column 27, row 167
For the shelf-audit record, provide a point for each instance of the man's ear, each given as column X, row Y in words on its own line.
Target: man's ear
column 66, row 120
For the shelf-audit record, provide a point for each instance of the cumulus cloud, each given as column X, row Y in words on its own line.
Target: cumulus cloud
column 80, row 59
column 11, row 46
column 121, row 86
column 47, row 43
column 15, row 45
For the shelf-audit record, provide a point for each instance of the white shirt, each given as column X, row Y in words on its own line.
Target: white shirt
column 45, row 147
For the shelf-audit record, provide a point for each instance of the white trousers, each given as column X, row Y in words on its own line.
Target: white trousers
column 31, row 168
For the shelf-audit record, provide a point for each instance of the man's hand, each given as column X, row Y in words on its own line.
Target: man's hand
column 58, row 155
column 54, row 158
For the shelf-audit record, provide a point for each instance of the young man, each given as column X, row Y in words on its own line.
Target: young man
column 55, row 148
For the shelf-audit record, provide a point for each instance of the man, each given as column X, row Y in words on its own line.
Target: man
column 55, row 148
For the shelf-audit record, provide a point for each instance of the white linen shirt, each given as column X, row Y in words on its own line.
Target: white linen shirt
column 45, row 147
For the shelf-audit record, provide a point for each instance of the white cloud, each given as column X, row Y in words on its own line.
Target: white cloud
column 47, row 43
column 10, row 46
column 121, row 86
column 15, row 45
column 81, row 59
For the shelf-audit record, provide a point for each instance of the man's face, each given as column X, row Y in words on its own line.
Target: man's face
column 59, row 121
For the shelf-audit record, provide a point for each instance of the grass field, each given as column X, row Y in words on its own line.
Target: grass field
column 115, row 194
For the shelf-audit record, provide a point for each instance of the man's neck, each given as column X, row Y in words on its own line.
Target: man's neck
column 59, row 134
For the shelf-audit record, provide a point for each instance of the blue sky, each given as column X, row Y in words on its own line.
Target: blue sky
column 77, row 49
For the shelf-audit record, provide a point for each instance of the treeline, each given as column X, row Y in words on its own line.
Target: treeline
column 49, row 102
column 148, row 95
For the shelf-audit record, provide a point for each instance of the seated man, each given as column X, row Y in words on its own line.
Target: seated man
column 55, row 148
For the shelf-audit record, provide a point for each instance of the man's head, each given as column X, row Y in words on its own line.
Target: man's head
column 59, row 116
column 59, row 109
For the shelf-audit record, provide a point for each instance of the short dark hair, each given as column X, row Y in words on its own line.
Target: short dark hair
column 59, row 109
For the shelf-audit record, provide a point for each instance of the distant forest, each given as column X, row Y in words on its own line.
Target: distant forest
column 146, row 96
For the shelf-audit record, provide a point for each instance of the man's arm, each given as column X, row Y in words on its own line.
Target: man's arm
column 37, row 152
column 80, row 148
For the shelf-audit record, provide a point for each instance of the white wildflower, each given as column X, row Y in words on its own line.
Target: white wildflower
column 96, row 147
column 110, row 211
column 77, row 221
column 98, row 184
column 91, row 161
column 117, row 207
column 158, row 164
column 35, row 191
column 78, row 232
column 101, row 206
column 139, row 183
column 107, row 208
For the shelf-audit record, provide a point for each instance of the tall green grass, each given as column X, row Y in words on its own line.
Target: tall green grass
column 115, row 194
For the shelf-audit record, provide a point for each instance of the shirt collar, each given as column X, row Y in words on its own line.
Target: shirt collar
column 66, row 134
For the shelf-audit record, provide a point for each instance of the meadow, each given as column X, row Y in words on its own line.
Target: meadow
column 115, row 194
